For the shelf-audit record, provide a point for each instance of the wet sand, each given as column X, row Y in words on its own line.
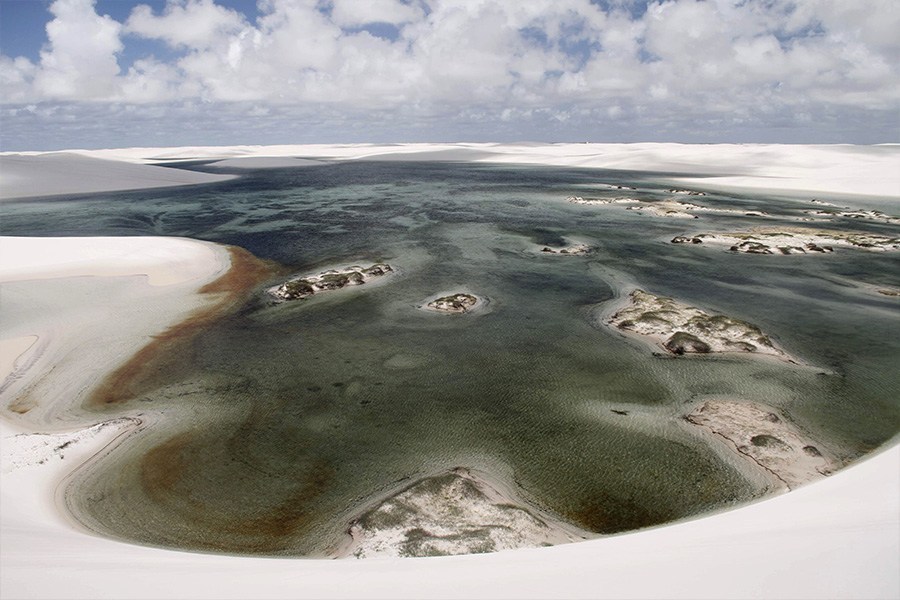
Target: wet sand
column 167, row 353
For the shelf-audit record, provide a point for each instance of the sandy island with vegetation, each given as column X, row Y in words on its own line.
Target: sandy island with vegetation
column 784, row 241
column 765, row 438
column 680, row 328
column 458, row 512
column 327, row 281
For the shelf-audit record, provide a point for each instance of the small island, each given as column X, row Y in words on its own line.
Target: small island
column 304, row 287
column 574, row 250
column 767, row 440
column 667, row 208
column 458, row 303
column 794, row 241
column 600, row 201
column 670, row 208
column 683, row 329
column 456, row 512
column 685, row 192
column 845, row 212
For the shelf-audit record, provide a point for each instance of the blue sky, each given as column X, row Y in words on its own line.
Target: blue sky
column 113, row 73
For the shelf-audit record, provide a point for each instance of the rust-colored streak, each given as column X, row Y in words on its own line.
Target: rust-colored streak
column 289, row 516
column 166, row 474
column 246, row 271
column 167, row 355
column 22, row 405
column 163, row 466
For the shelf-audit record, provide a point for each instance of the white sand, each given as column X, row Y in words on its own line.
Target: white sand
column 54, row 173
column 836, row 538
column 840, row 169
column 265, row 162
column 163, row 261
column 459, row 512
column 74, row 286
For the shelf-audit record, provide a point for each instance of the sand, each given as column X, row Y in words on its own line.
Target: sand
column 452, row 513
column 680, row 329
column 766, row 440
column 56, row 173
column 872, row 172
column 838, row 537
column 62, row 291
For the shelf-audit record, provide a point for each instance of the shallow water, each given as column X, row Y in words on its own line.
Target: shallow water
column 294, row 418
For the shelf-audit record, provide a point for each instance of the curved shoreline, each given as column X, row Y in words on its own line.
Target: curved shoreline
column 163, row 353
column 863, row 171
column 74, row 337
column 199, row 281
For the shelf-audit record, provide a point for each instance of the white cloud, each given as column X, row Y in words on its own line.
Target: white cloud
column 79, row 61
column 679, row 60
column 353, row 13
column 195, row 24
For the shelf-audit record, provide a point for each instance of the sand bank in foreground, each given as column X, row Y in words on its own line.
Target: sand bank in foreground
column 837, row 169
column 457, row 512
column 837, row 538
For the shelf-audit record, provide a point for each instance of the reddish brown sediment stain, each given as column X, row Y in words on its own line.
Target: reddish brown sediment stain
column 22, row 405
column 606, row 515
column 289, row 516
column 163, row 466
column 166, row 480
column 168, row 354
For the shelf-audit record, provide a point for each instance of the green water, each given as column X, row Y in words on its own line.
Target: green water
column 296, row 417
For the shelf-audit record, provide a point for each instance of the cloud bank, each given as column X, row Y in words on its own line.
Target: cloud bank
column 376, row 70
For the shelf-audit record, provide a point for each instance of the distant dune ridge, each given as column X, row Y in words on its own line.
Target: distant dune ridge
column 56, row 173
column 838, row 169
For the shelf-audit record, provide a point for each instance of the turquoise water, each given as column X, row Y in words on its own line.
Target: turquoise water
column 293, row 418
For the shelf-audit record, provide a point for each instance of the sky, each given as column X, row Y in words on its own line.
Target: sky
column 116, row 73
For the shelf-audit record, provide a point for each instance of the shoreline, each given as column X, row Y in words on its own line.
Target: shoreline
column 867, row 172
column 164, row 352
column 78, row 340
column 193, row 278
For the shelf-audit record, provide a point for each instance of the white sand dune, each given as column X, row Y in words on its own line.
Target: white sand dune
column 64, row 291
column 836, row 538
column 56, row 173
column 872, row 171
column 264, row 162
